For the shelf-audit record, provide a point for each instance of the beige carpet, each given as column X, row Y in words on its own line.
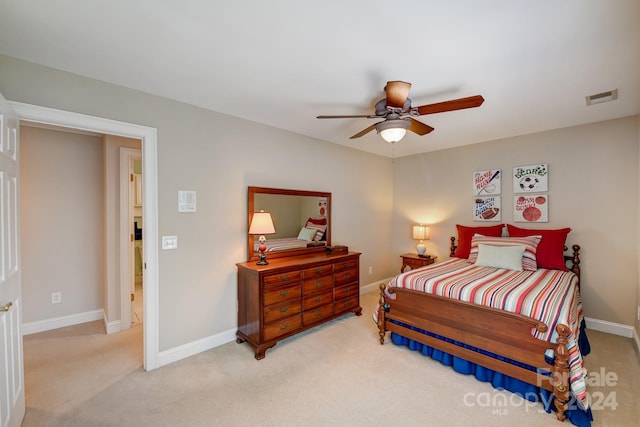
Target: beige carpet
column 334, row 375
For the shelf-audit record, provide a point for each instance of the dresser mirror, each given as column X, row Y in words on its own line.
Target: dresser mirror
column 290, row 210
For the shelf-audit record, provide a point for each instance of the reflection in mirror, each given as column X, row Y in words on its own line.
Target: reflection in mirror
column 301, row 219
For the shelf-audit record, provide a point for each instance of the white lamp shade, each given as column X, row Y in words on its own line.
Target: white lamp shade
column 261, row 223
column 421, row 232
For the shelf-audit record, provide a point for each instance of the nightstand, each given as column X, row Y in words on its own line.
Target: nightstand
column 414, row 261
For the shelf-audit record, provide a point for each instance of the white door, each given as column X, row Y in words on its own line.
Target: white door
column 12, row 404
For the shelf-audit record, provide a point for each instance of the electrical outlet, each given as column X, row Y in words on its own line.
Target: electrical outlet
column 639, row 312
column 56, row 297
column 370, row 270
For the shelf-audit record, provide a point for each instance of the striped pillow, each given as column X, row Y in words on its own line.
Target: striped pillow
column 530, row 243
column 320, row 229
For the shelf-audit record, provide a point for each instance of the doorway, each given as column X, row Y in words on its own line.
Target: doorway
column 148, row 136
column 131, row 238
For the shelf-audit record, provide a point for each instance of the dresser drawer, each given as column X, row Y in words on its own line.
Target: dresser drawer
column 346, row 291
column 317, row 285
column 346, row 304
column 344, row 277
column 280, row 311
column 317, row 314
column 279, row 279
column 281, row 294
column 344, row 265
column 284, row 326
column 321, row 270
column 317, row 299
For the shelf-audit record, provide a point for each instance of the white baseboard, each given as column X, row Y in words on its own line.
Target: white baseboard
column 610, row 327
column 190, row 349
column 61, row 322
column 112, row 327
column 375, row 286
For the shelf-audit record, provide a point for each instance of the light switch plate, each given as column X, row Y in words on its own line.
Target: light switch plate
column 186, row 201
column 169, row 242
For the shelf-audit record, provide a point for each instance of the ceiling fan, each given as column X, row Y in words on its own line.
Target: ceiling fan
column 398, row 114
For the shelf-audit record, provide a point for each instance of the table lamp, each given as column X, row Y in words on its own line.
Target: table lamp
column 261, row 224
column 421, row 232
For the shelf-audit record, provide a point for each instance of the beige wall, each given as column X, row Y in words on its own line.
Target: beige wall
column 62, row 223
column 219, row 156
column 593, row 177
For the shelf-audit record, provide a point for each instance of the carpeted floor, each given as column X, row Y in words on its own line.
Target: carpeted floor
column 333, row 375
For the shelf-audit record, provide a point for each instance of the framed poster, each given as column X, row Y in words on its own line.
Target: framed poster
column 531, row 179
column 487, row 208
column 533, row 208
column 487, row 182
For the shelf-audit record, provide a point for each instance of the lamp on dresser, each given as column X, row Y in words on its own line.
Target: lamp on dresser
column 262, row 224
column 421, row 232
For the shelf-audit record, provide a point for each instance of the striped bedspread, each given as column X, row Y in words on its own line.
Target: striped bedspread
column 282, row 244
column 551, row 296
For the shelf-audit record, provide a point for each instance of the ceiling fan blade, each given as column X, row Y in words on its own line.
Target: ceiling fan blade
column 397, row 93
column 419, row 127
column 367, row 116
column 364, row 132
column 454, row 104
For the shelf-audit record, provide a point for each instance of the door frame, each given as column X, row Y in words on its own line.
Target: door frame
column 148, row 136
column 126, row 156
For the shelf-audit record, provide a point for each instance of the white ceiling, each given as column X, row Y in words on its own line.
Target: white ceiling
column 283, row 62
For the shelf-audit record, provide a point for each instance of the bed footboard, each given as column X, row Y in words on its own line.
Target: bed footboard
column 503, row 333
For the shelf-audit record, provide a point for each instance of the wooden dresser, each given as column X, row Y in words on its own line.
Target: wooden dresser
column 292, row 294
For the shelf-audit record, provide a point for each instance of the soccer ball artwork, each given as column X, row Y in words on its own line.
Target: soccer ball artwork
column 531, row 179
column 529, row 183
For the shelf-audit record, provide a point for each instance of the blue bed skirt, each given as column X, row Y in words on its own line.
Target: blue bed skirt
column 578, row 417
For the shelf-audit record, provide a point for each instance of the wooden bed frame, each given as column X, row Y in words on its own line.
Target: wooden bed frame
column 503, row 333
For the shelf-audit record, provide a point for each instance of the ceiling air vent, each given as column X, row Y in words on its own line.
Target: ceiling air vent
column 599, row 98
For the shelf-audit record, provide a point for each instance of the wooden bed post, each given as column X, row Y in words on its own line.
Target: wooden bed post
column 561, row 373
column 453, row 247
column 381, row 312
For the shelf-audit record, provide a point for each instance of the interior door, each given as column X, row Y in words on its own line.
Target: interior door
column 12, row 403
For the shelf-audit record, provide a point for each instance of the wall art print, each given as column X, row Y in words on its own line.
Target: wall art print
column 531, row 179
column 533, row 208
column 487, row 182
column 322, row 206
column 487, row 208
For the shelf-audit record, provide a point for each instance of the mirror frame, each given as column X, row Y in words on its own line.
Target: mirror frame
column 252, row 191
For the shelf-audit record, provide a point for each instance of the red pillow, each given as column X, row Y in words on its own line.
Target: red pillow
column 551, row 248
column 465, row 234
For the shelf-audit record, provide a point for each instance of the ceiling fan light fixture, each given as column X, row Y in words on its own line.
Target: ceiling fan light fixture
column 393, row 130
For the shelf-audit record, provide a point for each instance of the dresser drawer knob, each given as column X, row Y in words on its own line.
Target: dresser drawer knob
column 284, row 293
column 319, row 270
column 284, row 326
column 346, row 275
column 283, row 278
column 318, row 284
column 318, row 313
column 284, row 309
column 347, row 289
column 318, row 299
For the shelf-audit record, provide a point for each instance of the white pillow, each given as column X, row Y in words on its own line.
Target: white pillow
column 307, row 234
column 509, row 257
